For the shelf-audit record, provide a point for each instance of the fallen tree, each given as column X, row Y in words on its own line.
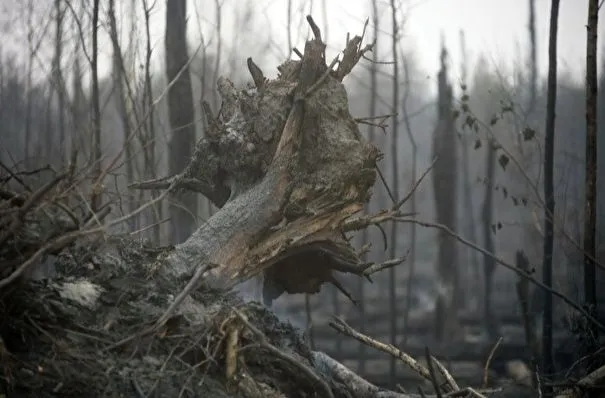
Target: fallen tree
column 285, row 163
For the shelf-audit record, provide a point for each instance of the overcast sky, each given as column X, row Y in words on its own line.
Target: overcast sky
column 495, row 28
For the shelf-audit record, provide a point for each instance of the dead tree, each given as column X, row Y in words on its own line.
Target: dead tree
column 470, row 230
column 393, row 312
column 96, row 111
column 444, row 192
column 549, row 210
column 590, row 271
column 181, row 115
column 120, row 82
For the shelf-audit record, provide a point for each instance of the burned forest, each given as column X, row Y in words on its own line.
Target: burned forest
column 221, row 199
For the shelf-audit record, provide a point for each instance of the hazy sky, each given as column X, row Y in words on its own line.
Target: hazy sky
column 496, row 28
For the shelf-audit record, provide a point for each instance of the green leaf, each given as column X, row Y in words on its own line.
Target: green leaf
column 503, row 160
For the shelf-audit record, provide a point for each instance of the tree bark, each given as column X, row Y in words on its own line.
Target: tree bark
column 96, row 111
column 590, row 271
column 181, row 115
column 444, row 191
column 549, row 211
column 393, row 311
column 489, row 264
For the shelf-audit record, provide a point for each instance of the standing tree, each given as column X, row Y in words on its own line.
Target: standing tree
column 549, row 210
column 120, row 83
column 96, row 111
column 590, row 275
column 444, row 192
column 181, row 114
column 394, row 314
column 469, row 216
column 489, row 264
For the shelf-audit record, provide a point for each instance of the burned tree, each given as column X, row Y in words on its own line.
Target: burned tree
column 180, row 113
column 444, row 191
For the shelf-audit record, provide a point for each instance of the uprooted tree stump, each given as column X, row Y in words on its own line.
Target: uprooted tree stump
column 285, row 164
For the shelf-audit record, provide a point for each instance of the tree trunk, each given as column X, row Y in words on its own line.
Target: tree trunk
column 119, row 81
column 393, row 311
column 96, row 111
column 590, row 253
column 549, row 211
column 489, row 264
column 444, row 188
column 474, row 270
column 181, row 114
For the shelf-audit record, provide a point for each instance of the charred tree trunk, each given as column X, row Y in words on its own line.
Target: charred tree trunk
column 393, row 311
column 533, row 58
column 488, row 239
column 590, row 271
column 96, row 111
column 119, row 81
column 151, row 136
column 181, row 115
column 474, row 271
column 58, row 81
column 444, row 188
column 549, row 211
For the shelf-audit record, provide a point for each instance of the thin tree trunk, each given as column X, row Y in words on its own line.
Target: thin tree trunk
column 488, row 240
column 549, row 211
column 119, row 77
column 590, row 274
column 533, row 66
column 395, row 189
column 30, row 63
column 181, row 114
column 412, row 256
column 371, row 130
column 58, row 76
column 96, row 111
column 151, row 136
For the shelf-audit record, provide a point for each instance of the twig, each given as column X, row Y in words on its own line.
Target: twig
column 322, row 78
column 415, row 186
column 341, row 326
column 448, row 377
column 161, row 321
column 593, row 378
column 55, row 244
column 429, row 361
column 373, row 268
column 489, row 361
column 191, row 285
column 264, row 342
